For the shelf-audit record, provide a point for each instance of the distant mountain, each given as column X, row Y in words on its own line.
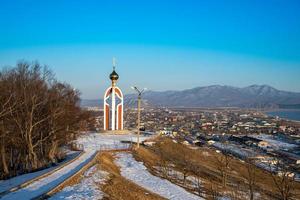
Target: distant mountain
column 91, row 102
column 254, row 96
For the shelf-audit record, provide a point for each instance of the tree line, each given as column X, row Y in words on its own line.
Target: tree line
column 38, row 116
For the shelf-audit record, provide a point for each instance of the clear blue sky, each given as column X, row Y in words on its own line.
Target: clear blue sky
column 161, row 45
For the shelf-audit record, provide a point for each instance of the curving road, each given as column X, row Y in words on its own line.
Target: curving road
column 43, row 185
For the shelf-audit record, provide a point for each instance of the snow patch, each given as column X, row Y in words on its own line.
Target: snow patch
column 98, row 141
column 235, row 150
column 275, row 143
column 137, row 172
column 88, row 188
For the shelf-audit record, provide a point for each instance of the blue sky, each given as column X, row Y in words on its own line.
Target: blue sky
column 161, row 45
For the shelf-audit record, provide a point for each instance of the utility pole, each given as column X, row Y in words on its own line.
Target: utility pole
column 140, row 92
column 139, row 119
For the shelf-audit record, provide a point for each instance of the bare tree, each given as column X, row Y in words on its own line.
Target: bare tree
column 283, row 179
column 223, row 161
column 213, row 191
column 185, row 164
column 7, row 106
column 163, row 161
column 250, row 177
column 197, row 178
column 38, row 115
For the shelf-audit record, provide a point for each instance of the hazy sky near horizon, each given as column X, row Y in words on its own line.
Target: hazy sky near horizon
column 161, row 45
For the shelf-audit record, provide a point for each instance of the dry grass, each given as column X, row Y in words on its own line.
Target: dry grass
column 204, row 161
column 149, row 158
column 119, row 188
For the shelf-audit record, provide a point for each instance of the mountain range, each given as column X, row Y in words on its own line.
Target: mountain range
column 254, row 96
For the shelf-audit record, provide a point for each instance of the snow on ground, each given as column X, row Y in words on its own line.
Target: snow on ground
column 98, row 141
column 87, row 189
column 235, row 150
column 137, row 172
column 18, row 180
column 43, row 185
column 276, row 144
column 239, row 195
column 91, row 143
column 191, row 181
